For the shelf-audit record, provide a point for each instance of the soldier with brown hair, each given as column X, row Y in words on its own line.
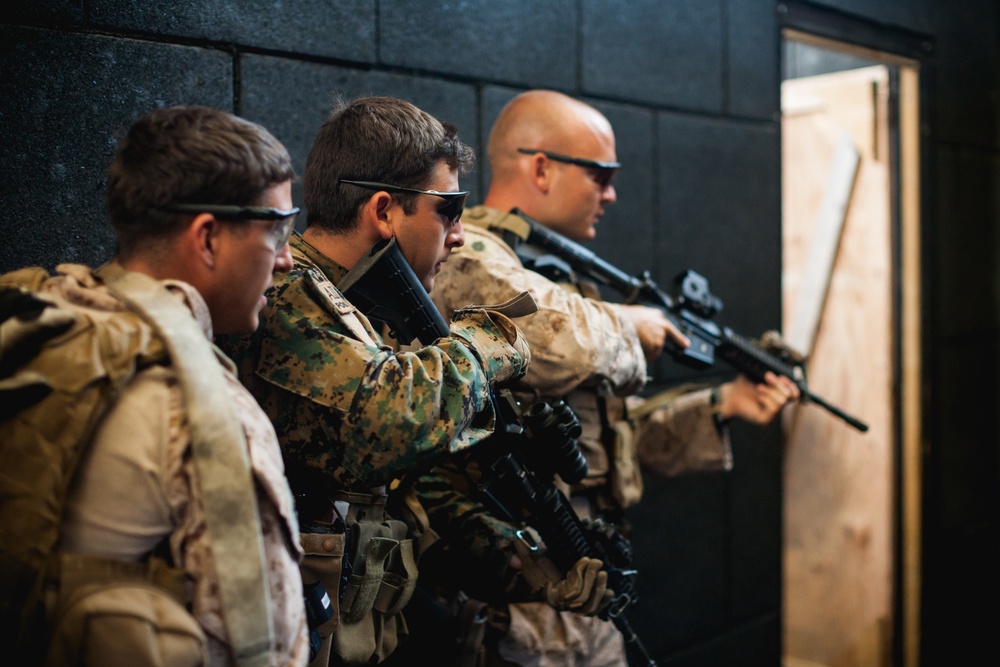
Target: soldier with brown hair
column 178, row 542
column 355, row 411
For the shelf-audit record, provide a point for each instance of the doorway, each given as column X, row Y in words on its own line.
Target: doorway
column 851, row 295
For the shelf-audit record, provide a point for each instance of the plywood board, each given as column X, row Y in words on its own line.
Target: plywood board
column 838, row 481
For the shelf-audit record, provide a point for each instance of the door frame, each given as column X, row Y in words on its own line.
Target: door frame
column 913, row 54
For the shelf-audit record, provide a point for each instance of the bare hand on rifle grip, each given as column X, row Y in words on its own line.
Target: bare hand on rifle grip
column 654, row 328
column 756, row 403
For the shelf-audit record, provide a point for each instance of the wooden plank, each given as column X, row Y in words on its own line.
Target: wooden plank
column 829, row 224
column 838, row 527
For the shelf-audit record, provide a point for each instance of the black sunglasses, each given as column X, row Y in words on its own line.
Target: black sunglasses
column 602, row 172
column 454, row 202
column 284, row 220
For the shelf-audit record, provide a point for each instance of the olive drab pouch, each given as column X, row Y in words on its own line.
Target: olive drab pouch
column 383, row 574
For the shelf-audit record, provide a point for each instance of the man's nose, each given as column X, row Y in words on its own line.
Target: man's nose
column 456, row 237
column 609, row 195
column 283, row 259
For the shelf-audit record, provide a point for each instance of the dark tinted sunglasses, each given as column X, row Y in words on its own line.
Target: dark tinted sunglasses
column 602, row 172
column 284, row 220
column 454, row 202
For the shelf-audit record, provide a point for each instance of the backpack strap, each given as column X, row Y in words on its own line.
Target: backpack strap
column 220, row 454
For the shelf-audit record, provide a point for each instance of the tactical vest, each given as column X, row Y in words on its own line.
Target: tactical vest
column 608, row 440
column 62, row 365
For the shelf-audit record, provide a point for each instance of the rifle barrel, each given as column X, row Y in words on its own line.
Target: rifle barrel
column 809, row 397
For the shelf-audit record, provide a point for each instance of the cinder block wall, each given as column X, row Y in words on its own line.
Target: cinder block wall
column 692, row 88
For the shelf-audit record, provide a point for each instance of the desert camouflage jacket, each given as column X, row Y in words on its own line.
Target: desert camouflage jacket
column 587, row 352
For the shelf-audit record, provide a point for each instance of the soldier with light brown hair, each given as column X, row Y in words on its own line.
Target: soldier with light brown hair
column 353, row 410
column 178, row 543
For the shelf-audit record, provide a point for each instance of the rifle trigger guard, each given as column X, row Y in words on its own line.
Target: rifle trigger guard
column 527, row 540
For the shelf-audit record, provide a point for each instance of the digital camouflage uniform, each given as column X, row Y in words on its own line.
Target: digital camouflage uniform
column 353, row 414
column 586, row 352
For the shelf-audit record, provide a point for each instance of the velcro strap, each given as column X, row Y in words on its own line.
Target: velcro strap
column 396, row 588
column 517, row 306
column 362, row 589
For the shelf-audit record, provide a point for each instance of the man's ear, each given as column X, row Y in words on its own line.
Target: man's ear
column 382, row 213
column 201, row 239
column 541, row 172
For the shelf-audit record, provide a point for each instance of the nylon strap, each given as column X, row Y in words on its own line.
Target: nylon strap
column 220, row 454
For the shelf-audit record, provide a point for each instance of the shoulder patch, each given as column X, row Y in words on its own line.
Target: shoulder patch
column 326, row 291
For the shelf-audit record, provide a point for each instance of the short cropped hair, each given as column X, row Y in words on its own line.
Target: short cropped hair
column 188, row 154
column 383, row 139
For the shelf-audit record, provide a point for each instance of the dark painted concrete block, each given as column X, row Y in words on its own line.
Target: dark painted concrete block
column 532, row 44
column 44, row 10
column 64, row 100
column 626, row 234
column 293, row 98
column 721, row 213
column 342, row 29
column 752, row 59
column 755, row 519
column 666, row 54
column 679, row 539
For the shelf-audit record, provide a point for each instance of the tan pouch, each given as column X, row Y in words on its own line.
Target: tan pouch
column 131, row 624
column 323, row 561
column 626, row 476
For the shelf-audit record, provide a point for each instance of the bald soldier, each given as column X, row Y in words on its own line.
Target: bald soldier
column 553, row 157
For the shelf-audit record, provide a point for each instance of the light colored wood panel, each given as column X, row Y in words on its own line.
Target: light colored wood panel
column 838, row 481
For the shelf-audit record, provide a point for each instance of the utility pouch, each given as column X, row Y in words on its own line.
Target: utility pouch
column 119, row 614
column 383, row 574
column 618, row 437
column 322, row 565
column 626, row 476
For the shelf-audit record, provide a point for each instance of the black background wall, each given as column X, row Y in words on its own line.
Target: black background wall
column 692, row 88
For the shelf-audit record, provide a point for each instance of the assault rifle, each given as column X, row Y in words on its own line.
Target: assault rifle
column 518, row 465
column 690, row 309
column 517, row 483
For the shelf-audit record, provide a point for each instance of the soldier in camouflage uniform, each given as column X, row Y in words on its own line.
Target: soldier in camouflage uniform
column 554, row 158
column 352, row 412
column 200, row 203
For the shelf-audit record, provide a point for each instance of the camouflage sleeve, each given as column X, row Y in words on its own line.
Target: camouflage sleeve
column 475, row 547
column 495, row 340
column 676, row 434
column 357, row 413
column 573, row 339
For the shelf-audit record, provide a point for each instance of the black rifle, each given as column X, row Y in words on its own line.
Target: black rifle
column 518, row 465
column 690, row 310
column 383, row 286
